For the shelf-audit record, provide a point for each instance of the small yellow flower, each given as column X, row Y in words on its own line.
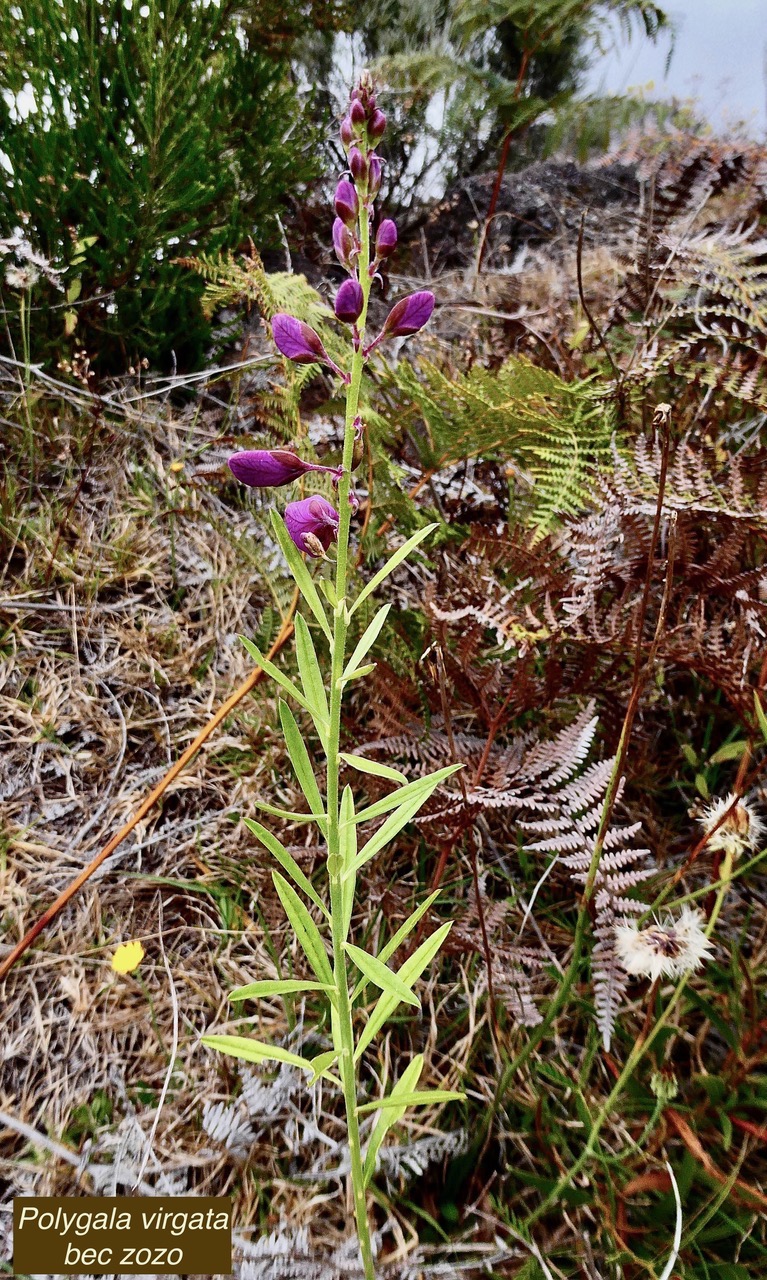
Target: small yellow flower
column 127, row 957
column 175, row 467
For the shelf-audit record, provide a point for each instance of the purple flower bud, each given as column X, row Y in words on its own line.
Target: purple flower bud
column 344, row 244
column 267, row 468
column 406, row 317
column 410, row 314
column 349, row 301
column 386, row 238
column 357, row 113
column 358, row 165
column 298, row 341
column 374, row 175
column 376, row 126
column 347, row 132
column 346, row 201
column 312, row 524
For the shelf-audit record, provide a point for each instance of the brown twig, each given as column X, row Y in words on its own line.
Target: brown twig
column 184, row 759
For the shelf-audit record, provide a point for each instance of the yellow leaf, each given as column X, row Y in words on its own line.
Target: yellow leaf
column 127, row 957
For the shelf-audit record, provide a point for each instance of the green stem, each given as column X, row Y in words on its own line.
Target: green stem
column 343, row 1031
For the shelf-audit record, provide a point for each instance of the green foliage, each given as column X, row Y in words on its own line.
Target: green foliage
column 553, row 434
column 500, row 65
column 155, row 129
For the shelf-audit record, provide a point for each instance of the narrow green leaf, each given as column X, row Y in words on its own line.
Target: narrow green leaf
column 381, row 975
column 760, row 715
column 277, row 675
column 409, row 973
column 402, row 933
column 287, row 815
column 286, row 861
column 423, row 1098
column 373, row 767
column 328, row 589
column 399, row 818
column 359, row 674
column 309, row 669
column 399, row 555
column 305, row 929
column 405, row 1085
column 730, row 751
column 368, row 639
column 254, row 1050
column 300, row 573
column 301, row 762
column 417, row 787
column 280, row 987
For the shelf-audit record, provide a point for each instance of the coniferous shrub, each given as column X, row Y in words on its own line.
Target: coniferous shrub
column 158, row 127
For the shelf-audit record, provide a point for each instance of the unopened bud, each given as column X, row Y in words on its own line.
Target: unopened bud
column 349, row 301
column 344, row 244
column 375, row 170
column 376, row 126
column 346, row 201
column 386, row 238
column 357, row 113
column 347, row 132
column 358, row 166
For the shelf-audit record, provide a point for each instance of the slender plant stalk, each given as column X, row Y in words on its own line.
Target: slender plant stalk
column 343, row 1033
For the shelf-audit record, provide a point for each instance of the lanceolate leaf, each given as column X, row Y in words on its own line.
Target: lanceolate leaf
column 423, row 1098
column 409, row 973
column 280, row 987
column 300, row 758
column 286, row 861
column 391, row 563
column 277, row 675
column 373, row 767
column 311, row 676
column 389, row 829
column 305, row 929
column 381, row 976
column 255, row 1050
column 287, row 815
column 367, row 640
column 402, row 933
column 420, row 786
column 300, row 573
column 404, row 1086
column 321, row 1064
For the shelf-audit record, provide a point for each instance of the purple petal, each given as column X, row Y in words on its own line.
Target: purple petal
column 314, row 516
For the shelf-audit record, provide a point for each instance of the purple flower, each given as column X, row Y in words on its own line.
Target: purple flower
column 357, row 113
column 406, row 317
column 346, row 201
column 376, row 126
column 298, row 341
column 312, row 524
column 349, row 301
column 267, row 468
column 347, row 132
column 344, row 244
column 386, row 238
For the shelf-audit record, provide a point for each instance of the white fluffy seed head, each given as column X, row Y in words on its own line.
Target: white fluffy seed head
column 741, row 830
column 666, row 948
